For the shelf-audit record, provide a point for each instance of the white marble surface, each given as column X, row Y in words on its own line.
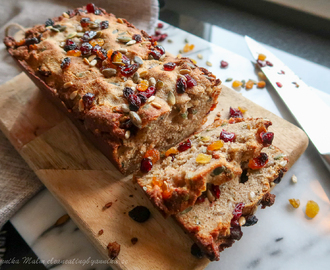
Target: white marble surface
column 284, row 238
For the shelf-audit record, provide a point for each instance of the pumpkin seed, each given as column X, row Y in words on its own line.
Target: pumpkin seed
column 186, row 210
column 171, row 98
column 159, row 84
column 184, row 115
column 186, row 40
column 124, row 39
column 109, row 72
column 72, row 35
column 135, row 118
column 59, row 27
column 138, row 60
column 228, row 79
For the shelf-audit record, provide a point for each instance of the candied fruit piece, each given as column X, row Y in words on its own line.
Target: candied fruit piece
column 261, row 84
column 236, row 83
column 295, row 202
column 191, row 47
column 142, row 86
column 312, row 209
column 261, row 57
column 203, row 158
column 152, row 154
column 215, row 146
column 166, row 194
column 74, row 53
column 171, row 151
column 116, row 57
column 249, row 85
column 258, row 162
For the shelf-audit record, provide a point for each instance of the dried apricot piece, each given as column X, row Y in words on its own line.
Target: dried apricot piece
column 261, row 84
column 217, row 145
column 152, row 154
column 261, row 57
column 312, row 209
column 74, row 53
column 203, row 158
column 249, row 85
column 236, row 83
column 295, row 202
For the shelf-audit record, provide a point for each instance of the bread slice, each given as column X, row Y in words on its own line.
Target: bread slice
column 92, row 65
column 179, row 179
column 210, row 225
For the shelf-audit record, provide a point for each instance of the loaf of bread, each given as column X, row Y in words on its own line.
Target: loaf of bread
column 215, row 224
column 212, row 157
column 118, row 86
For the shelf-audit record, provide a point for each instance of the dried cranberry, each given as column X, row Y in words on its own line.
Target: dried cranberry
column 184, row 146
column 128, row 70
column 104, row 25
column 201, row 198
column 196, row 251
column 154, row 38
column 236, row 233
column 162, row 37
column 237, row 212
column 160, row 25
column 142, row 97
column 150, row 91
column 250, row 220
column 258, row 162
column 49, row 22
column 127, row 91
column 155, row 54
column 244, row 177
column 86, row 48
column 139, row 214
column 137, row 38
column 261, row 63
column 90, row 8
column 279, row 84
column 181, row 85
column 69, row 45
column 88, row 35
column 235, row 113
column 96, row 49
column 135, row 102
column 31, row 41
column 269, row 64
column 126, row 125
column 88, row 100
column 160, row 49
column 267, row 138
column 169, row 66
column 279, row 177
column 227, row 136
column 125, row 60
column 190, row 81
column 223, row 64
column 146, row 165
column 85, row 22
column 65, row 63
column 158, row 32
column 215, row 191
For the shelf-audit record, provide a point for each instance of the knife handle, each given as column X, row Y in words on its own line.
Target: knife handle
column 326, row 160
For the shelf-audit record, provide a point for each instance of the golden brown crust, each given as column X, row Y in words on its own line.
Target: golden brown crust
column 40, row 55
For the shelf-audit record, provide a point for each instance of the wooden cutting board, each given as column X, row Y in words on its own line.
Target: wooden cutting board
column 83, row 180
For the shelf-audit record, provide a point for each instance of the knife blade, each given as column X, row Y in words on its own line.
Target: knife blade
column 307, row 108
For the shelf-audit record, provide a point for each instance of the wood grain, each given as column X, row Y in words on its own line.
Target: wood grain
column 83, row 180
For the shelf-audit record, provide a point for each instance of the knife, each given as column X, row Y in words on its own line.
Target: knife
column 308, row 109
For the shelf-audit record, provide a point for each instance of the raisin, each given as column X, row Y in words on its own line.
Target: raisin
column 142, row 97
column 139, row 214
column 250, row 220
column 127, row 91
column 31, row 41
column 160, row 49
column 135, row 102
column 86, row 48
column 244, row 177
column 155, row 54
column 146, row 165
column 69, row 45
column 312, row 209
column 223, row 64
column 160, row 25
column 137, row 38
column 279, row 177
column 65, row 63
column 215, row 191
column 126, row 125
column 104, row 25
column 88, row 100
column 97, row 12
column 236, row 233
column 181, row 85
column 196, row 251
column 88, row 35
column 151, row 91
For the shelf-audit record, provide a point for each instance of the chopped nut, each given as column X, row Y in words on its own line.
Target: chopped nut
column 156, row 105
column 150, row 99
column 134, row 240
column 62, row 220
column 242, row 221
column 143, row 73
column 100, row 232
column 127, row 134
column 294, row 179
column 79, row 28
column 251, row 195
column 73, row 95
column 67, row 85
column 120, row 20
column 86, row 61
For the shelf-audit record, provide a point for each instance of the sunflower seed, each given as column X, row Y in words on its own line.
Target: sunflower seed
column 208, row 63
column 124, row 39
column 81, row 105
column 91, row 58
column 242, row 221
column 156, row 105
column 152, row 81
column 122, row 50
column 294, row 179
column 199, row 56
column 210, row 196
column 136, row 77
column 159, row 84
column 143, row 73
column 80, row 34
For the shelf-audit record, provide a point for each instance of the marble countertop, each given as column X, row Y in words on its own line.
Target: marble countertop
column 284, row 238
